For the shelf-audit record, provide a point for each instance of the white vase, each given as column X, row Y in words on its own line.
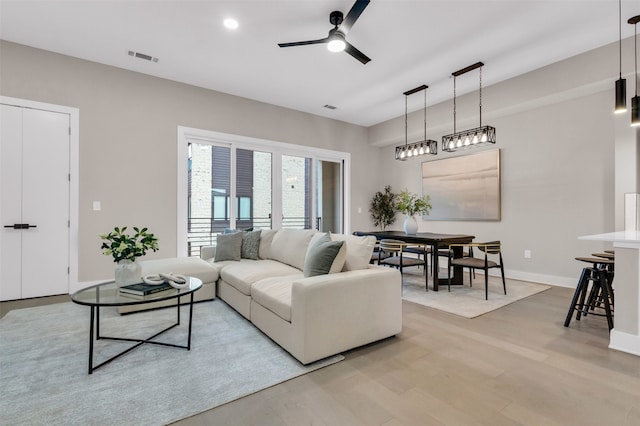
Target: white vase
column 410, row 225
column 127, row 272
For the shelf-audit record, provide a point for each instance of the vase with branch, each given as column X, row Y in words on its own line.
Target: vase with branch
column 410, row 205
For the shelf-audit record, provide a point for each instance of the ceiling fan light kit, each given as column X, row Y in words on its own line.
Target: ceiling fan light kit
column 423, row 147
column 336, row 40
column 472, row 137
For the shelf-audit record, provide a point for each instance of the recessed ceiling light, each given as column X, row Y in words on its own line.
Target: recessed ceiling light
column 231, row 23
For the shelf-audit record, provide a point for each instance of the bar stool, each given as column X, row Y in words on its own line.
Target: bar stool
column 601, row 294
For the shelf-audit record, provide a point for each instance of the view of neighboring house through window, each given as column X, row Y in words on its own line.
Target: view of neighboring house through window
column 296, row 202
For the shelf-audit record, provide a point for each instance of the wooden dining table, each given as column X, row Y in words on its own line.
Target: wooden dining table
column 436, row 242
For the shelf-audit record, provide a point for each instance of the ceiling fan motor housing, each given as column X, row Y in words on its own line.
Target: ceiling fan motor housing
column 336, row 18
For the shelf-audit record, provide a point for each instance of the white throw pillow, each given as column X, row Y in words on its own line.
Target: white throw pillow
column 359, row 250
column 290, row 246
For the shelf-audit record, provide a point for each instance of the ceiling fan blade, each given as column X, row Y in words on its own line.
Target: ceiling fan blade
column 304, row 43
column 356, row 53
column 357, row 8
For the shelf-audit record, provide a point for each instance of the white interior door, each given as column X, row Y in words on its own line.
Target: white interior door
column 11, row 205
column 39, row 167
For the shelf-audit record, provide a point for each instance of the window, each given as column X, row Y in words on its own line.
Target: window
column 273, row 185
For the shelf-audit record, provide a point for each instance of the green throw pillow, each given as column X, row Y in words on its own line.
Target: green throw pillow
column 320, row 257
column 250, row 244
column 228, row 247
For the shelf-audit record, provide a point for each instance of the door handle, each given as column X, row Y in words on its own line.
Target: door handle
column 21, row 226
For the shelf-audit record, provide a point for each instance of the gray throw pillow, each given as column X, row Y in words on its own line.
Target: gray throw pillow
column 320, row 257
column 250, row 245
column 228, row 247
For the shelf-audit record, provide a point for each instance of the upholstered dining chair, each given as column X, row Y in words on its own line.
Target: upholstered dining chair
column 491, row 249
column 395, row 250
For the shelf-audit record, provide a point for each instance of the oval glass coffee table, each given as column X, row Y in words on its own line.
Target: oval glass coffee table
column 108, row 294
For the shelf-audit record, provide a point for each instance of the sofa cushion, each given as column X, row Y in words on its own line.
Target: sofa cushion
column 274, row 294
column 228, row 246
column 359, row 250
column 290, row 246
column 250, row 244
column 266, row 237
column 323, row 256
column 241, row 275
column 191, row 266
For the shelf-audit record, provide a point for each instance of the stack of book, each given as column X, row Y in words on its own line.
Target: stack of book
column 144, row 291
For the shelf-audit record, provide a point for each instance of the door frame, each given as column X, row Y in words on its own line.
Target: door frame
column 74, row 176
column 189, row 134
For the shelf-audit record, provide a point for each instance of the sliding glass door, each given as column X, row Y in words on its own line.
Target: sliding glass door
column 230, row 184
column 210, row 210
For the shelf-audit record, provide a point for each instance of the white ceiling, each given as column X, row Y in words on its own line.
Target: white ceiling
column 410, row 43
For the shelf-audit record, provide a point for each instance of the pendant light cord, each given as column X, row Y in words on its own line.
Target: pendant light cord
column 635, row 52
column 620, row 34
column 454, row 104
column 405, row 120
column 425, row 114
column 480, row 96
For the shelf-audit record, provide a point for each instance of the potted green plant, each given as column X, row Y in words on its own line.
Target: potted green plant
column 383, row 208
column 410, row 204
column 125, row 249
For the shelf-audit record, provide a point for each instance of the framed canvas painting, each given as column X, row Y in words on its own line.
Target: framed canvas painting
column 463, row 188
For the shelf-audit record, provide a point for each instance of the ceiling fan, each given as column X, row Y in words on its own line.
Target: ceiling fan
column 336, row 41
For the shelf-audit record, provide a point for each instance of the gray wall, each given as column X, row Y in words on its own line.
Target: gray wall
column 555, row 127
column 559, row 140
column 128, row 132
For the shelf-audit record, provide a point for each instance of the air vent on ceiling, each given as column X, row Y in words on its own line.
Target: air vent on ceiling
column 142, row 56
column 330, row 106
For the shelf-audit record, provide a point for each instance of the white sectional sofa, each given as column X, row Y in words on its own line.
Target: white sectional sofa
column 317, row 316
column 311, row 317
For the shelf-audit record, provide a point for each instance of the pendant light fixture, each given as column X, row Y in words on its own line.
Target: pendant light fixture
column 472, row 137
column 423, row 147
column 621, row 83
column 635, row 101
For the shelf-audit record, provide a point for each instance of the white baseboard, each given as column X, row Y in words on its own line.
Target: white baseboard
column 79, row 286
column 554, row 280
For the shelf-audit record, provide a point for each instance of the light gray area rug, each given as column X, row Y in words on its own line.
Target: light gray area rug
column 467, row 301
column 44, row 359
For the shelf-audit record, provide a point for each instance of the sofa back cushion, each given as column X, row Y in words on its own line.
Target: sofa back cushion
column 290, row 246
column 266, row 237
column 324, row 256
column 359, row 250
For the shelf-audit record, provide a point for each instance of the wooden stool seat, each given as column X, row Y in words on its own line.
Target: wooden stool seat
column 604, row 255
column 596, row 260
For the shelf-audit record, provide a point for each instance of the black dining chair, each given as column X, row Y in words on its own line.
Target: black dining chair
column 395, row 251
column 490, row 249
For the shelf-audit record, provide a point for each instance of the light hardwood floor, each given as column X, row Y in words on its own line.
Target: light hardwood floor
column 516, row 365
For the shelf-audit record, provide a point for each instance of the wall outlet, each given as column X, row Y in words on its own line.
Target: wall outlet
column 359, row 209
column 527, row 254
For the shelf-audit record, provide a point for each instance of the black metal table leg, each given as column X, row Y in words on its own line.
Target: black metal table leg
column 91, row 342
column 190, row 319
